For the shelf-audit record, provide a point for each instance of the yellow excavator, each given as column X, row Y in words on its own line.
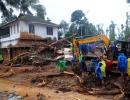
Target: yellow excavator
column 88, row 40
column 101, row 37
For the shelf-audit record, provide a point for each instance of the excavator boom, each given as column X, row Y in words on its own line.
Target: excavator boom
column 92, row 39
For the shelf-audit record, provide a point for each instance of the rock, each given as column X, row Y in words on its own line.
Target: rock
column 57, row 91
column 41, row 84
column 19, row 97
column 11, row 95
column 14, row 86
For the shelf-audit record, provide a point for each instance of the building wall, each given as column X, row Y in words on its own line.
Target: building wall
column 24, row 27
column 21, row 26
column 55, row 32
column 14, row 35
column 5, row 44
column 40, row 30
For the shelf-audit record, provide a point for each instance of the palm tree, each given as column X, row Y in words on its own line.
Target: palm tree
column 23, row 5
column 3, row 8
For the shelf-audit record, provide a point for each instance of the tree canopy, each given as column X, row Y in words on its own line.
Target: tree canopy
column 40, row 11
column 22, row 6
column 77, row 16
column 10, row 17
column 128, row 1
column 81, row 25
column 112, row 31
column 63, row 28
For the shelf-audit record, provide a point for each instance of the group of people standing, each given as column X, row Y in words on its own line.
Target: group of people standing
column 104, row 67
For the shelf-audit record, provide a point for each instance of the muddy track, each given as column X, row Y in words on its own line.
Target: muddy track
column 31, row 92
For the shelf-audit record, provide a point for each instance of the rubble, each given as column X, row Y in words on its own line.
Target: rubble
column 49, row 77
column 43, row 54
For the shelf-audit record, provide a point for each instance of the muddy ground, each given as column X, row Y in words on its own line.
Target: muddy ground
column 47, row 83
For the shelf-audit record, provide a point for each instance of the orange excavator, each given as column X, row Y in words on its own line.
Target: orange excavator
column 101, row 38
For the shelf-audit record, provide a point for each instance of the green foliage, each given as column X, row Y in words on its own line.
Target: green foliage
column 127, row 28
column 60, row 35
column 112, row 31
column 3, row 8
column 63, row 27
column 100, row 28
column 77, row 16
column 127, row 33
column 22, row 5
column 81, row 25
column 121, row 33
column 73, row 29
column 68, row 34
column 40, row 11
column 128, row 1
column 10, row 17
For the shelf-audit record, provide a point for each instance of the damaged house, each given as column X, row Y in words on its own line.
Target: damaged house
column 19, row 35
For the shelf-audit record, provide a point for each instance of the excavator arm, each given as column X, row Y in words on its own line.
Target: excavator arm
column 101, row 37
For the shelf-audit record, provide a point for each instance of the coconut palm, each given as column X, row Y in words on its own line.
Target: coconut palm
column 23, row 5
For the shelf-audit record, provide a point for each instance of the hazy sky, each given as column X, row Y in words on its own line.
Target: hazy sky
column 97, row 11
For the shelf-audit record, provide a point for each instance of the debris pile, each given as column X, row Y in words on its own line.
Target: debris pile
column 42, row 55
column 78, row 74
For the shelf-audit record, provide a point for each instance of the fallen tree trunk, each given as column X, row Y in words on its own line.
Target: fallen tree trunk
column 19, row 56
column 54, row 43
column 40, row 49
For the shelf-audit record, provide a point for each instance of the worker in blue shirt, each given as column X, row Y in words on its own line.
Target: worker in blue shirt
column 122, row 63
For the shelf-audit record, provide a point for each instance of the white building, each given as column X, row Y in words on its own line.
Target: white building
column 12, row 32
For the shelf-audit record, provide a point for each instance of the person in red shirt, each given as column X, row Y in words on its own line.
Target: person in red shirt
column 109, row 64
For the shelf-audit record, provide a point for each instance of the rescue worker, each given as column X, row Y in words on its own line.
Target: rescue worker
column 109, row 64
column 82, row 62
column 101, row 71
column 102, row 65
column 128, row 67
column 98, row 74
column 73, row 60
column 122, row 63
column 1, row 59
